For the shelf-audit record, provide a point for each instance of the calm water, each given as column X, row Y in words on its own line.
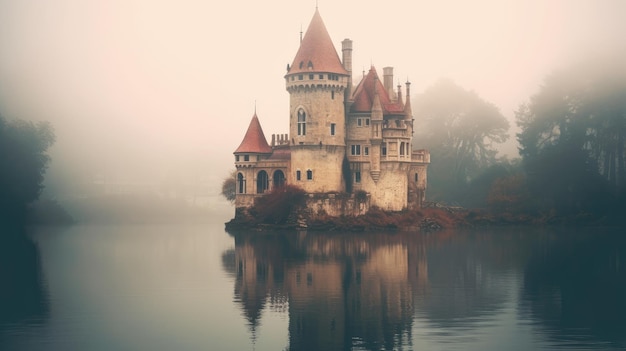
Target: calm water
column 196, row 287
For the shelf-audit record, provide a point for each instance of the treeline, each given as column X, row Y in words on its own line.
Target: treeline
column 571, row 144
column 23, row 163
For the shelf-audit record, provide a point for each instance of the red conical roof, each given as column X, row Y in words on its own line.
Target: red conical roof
column 317, row 52
column 254, row 141
column 364, row 95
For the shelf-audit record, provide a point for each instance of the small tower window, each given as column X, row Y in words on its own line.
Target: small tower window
column 357, row 176
column 298, row 175
column 383, row 149
column 416, row 177
column 332, row 94
column 367, row 121
column 237, row 158
column 321, row 76
column 311, row 76
column 366, row 151
column 246, row 157
column 309, row 174
column 301, row 122
column 333, row 126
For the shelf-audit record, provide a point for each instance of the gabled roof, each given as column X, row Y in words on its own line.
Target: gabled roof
column 363, row 96
column 254, row 141
column 317, row 52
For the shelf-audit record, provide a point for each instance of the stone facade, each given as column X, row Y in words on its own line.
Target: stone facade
column 342, row 138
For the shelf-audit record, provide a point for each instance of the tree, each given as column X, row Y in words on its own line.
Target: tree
column 572, row 137
column 229, row 186
column 460, row 130
column 23, row 163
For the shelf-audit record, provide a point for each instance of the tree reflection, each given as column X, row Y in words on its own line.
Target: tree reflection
column 22, row 294
column 575, row 284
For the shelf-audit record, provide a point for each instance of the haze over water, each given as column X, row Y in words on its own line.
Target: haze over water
column 191, row 286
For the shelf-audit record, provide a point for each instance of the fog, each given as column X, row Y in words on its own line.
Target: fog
column 154, row 91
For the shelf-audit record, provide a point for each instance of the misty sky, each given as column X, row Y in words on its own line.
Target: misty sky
column 139, row 84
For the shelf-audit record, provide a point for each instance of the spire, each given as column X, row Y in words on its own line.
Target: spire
column 317, row 52
column 254, row 141
column 377, row 107
column 399, row 94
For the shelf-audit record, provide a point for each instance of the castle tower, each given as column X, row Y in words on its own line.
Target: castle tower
column 253, row 148
column 316, row 81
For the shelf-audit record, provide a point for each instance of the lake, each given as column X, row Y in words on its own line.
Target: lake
column 192, row 286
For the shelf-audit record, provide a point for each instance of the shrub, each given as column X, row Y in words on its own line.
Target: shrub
column 276, row 206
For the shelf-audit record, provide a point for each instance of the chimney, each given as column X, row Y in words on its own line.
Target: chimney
column 346, row 50
column 388, row 81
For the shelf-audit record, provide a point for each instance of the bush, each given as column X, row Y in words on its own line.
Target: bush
column 276, row 206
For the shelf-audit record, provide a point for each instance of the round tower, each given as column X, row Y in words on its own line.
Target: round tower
column 316, row 82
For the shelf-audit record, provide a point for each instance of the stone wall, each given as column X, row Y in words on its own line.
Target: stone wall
column 339, row 204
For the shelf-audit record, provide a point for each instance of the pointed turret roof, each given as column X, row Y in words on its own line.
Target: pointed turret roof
column 254, row 141
column 317, row 52
column 366, row 90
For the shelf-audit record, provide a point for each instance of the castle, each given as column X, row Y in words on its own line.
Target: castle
column 342, row 139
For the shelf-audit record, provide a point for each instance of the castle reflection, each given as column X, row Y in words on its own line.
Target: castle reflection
column 395, row 291
column 345, row 290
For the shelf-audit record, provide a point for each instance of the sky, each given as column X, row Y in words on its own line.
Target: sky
column 158, row 86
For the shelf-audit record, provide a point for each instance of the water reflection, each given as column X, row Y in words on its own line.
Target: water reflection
column 575, row 289
column 22, row 293
column 473, row 290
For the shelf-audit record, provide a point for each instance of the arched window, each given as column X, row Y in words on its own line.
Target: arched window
column 309, row 174
column 279, row 178
column 262, row 182
column 241, row 184
column 301, row 122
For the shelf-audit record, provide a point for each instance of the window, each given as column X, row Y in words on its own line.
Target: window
column 237, row 158
column 300, row 77
column 332, row 94
column 311, row 76
column 402, row 148
column 241, row 183
column 246, row 157
column 359, row 122
column 309, row 174
column 301, row 122
column 367, row 121
column 416, row 177
column 383, row 150
column 357, row 176
column 262, row 182
column 332, row 128
column 298, row 175
column 321, row 76
column 366, row 151
column 355, row 150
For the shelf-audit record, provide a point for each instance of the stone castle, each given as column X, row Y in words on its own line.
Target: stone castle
column 343, row 139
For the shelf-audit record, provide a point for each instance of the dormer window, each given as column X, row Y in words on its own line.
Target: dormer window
column 309, row 65
column 301, row 64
